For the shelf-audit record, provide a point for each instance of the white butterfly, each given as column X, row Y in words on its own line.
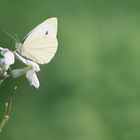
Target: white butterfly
column 40, row 45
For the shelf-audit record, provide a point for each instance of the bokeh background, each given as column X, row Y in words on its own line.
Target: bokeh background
column 91, row 89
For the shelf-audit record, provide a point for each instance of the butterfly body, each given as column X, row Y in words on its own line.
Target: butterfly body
column 40, row 45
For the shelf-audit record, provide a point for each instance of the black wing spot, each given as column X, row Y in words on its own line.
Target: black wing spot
column 46, row 33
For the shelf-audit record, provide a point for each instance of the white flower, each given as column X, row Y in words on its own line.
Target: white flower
column 30, row 71
column 5, row 62
column 8, row 59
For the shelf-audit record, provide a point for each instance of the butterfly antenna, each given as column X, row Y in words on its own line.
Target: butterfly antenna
column 16, row 36
column 10, row 36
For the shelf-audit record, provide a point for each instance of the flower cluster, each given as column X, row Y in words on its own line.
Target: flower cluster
column 8, row 59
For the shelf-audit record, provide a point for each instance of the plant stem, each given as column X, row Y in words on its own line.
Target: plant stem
column 5, row 115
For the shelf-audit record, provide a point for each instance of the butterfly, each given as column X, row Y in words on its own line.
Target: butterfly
column 40, row 44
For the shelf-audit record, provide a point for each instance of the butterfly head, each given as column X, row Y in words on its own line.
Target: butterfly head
column 19, row 47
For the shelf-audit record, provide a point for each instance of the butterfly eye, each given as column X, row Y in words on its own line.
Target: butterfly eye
column 46, row 33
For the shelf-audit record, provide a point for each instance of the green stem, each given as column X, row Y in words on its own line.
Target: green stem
column 5, row 115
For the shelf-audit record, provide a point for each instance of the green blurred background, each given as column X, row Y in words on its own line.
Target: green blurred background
column 91, row 89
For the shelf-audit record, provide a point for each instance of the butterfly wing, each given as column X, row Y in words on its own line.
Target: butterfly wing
column 40, row 45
